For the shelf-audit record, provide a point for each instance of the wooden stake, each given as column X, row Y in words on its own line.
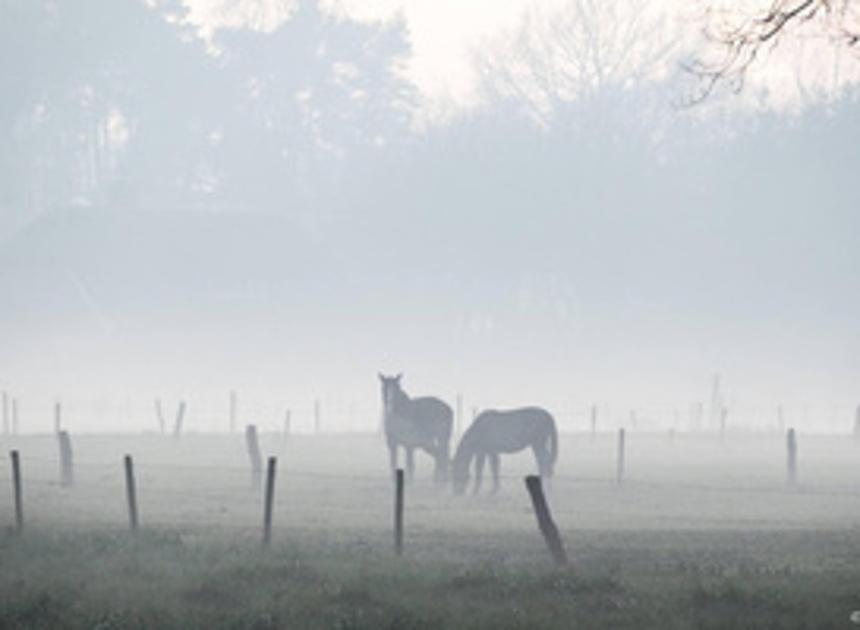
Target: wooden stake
column 398, row 513
column 619, row 473
column 545, row 522
column 159, row 415
column 14, row 416
column 791, row 447
column 57, row 425
column 253, row 444
column 67, row 473
column 180, row 417
column 16, row 486
column 269, row 500
column 131, row 493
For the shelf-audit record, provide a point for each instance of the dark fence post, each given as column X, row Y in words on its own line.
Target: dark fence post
column 57, row 418
column 619, row 472
column 180, row 417
column 269, row 500
column 131, row 493
column 398, row 512
column 14, row 416
column 16, row 486
column 159, row 415
column 253, row 444
column 545, row 522
column 791, row 446
column 67, row 473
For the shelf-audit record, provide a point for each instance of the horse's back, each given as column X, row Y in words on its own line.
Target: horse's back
column 432, row 409
column 511, row 430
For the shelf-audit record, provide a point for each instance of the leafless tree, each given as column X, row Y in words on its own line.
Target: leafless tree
column 738, row 37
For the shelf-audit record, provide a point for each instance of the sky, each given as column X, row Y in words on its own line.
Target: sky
column 565, row 236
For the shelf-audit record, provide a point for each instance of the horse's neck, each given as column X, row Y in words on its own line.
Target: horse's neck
column 466, row 449
column 399, row 401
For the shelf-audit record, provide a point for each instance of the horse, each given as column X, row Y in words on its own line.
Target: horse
column 494, row 432
column 423, row 423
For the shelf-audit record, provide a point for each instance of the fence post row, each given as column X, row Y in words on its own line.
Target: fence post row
column 131, row 493
column 16, row 487
column 252, row 442
column 269, row 500
column 67, row 473
column 398, row 512
column 544, row 518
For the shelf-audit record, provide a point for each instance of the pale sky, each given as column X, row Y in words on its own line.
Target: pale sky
column 446, row 35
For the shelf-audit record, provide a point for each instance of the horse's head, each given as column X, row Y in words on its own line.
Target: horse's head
column 390, row 389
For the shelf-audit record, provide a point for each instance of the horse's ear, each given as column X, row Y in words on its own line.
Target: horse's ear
column 398, row 377
column 381, row 377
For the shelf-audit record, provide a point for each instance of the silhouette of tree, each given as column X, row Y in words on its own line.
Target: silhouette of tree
column 738, row 38
column 312, row 98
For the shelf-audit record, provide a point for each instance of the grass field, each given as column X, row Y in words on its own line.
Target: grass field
column 703, row 534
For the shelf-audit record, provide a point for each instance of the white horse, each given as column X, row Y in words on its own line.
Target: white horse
column 494, row 432
column 423, row 423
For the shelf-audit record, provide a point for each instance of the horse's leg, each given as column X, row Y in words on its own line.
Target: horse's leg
column 479, row 471
column 494, row 468
column 410, row 463
column 392, row 456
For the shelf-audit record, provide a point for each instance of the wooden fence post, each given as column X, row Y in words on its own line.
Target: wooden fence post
column 253, row 444
column 791, row 447
column 14, row 416
column 159, row 415
column 593, row 421
column 317, row 417
column 545, row 522
column 5, row 413
column 619, row 473
column 16, row 487
column 287, row 425
column 269, row 500
column 57, row 420
column 458, row 419
column 398, row 513
column 131, row 493
column 67, row 472
column 180, row 417
column 234, row 407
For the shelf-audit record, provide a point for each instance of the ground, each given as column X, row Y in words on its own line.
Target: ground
column 704, row 533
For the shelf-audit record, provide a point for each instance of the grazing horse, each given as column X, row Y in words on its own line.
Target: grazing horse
column 494, row 432
column 423, row 423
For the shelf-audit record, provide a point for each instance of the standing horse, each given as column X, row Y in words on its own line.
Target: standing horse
column 494, row 432
column 423, row 423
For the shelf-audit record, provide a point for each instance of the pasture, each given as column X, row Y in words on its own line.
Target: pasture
column 704, row 532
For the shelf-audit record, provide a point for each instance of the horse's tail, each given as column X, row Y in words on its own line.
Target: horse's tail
column 553, row 444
